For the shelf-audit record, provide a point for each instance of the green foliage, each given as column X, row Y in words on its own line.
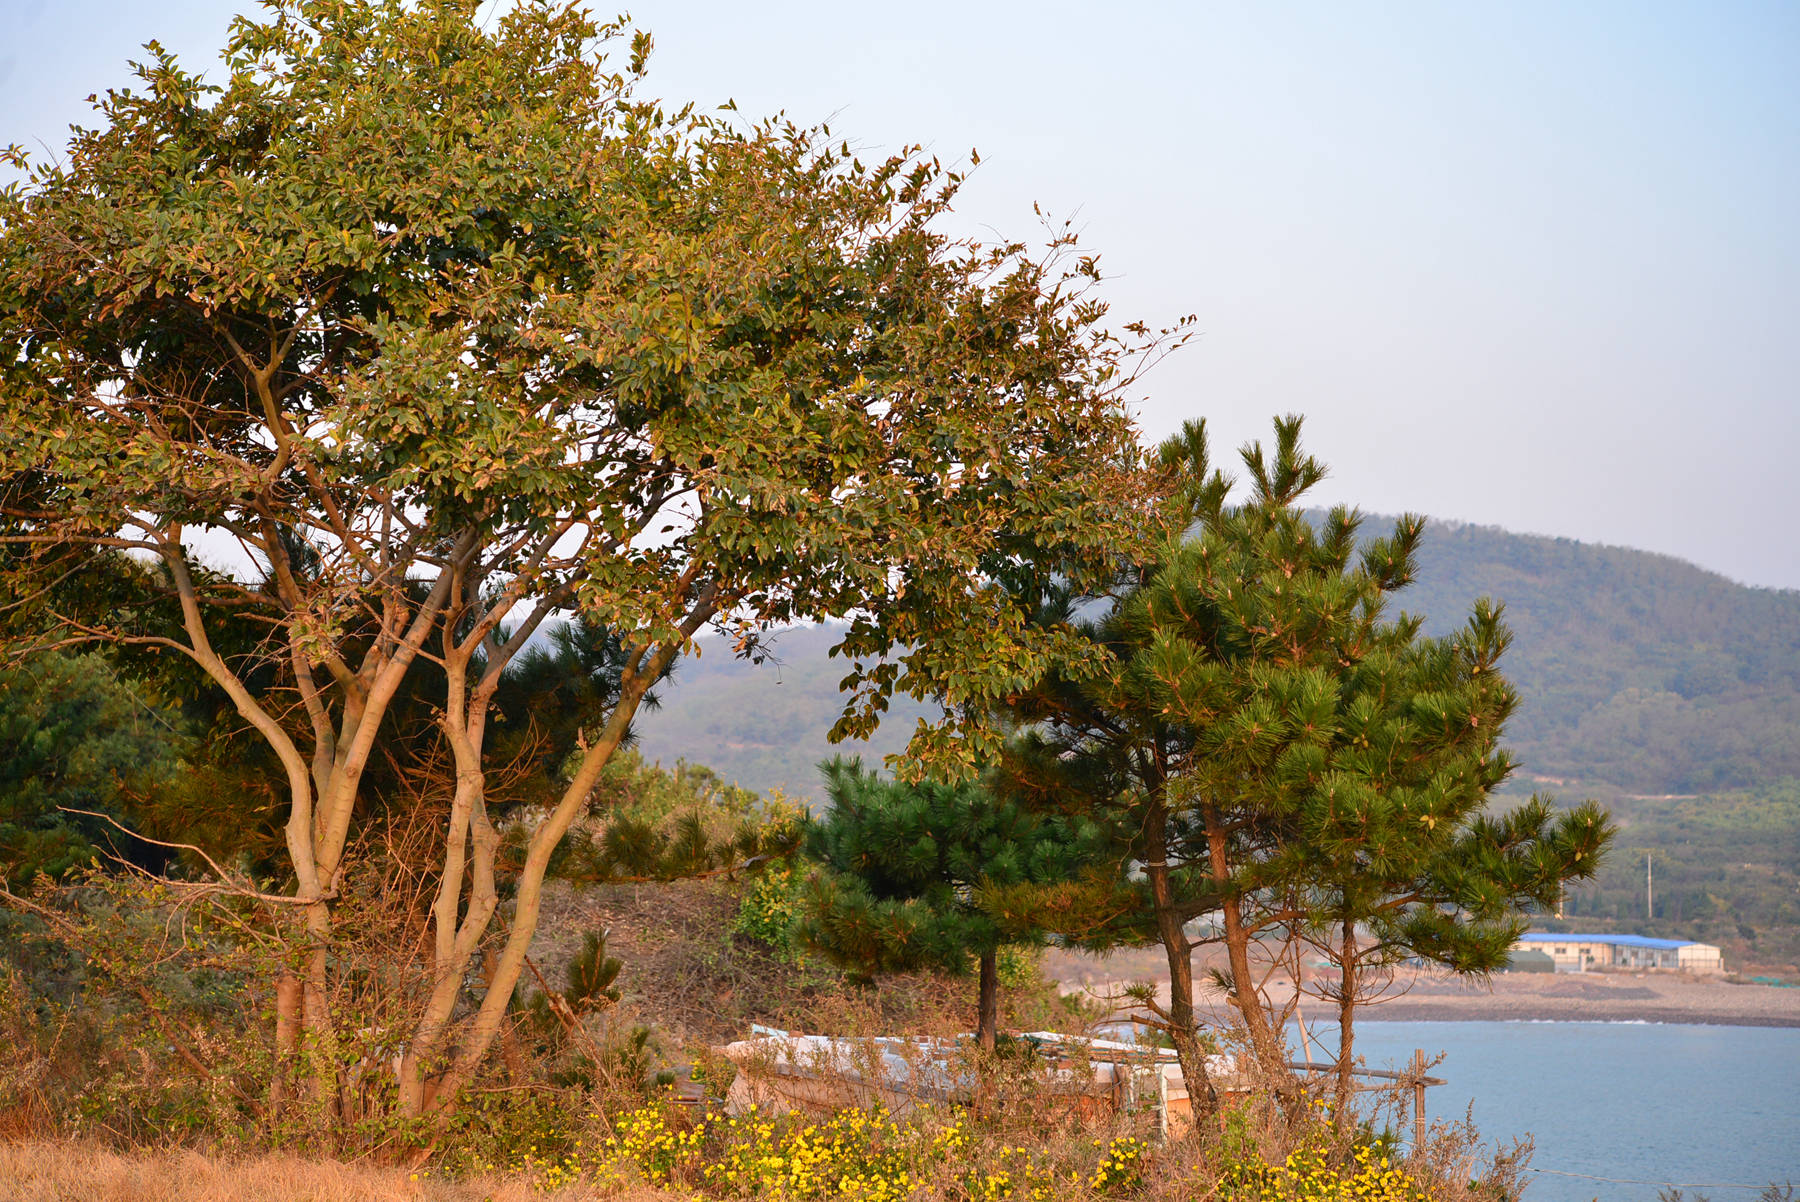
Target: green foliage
column 592, row 973
column 629, row 1060
column 458, row 318
column 902, row 867
column 633, row 788
column 76, row 738
column 138, row 1012
column 126, row 1006
column 1610, row 647
column 1277, row 750
column 590, row 988
column 1635, row 669
column 650, row 823
column 511, row 1132
column 1727, row 869
column 1396, row 856
column 1020, row 966
column 451, row 333
column 770, row 909
column 766, row 723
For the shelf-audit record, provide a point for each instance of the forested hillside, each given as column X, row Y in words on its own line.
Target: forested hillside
column 764, row 725
column 1638, row 671
column 1726, row 871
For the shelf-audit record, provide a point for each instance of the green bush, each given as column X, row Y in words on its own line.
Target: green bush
column 769, row 909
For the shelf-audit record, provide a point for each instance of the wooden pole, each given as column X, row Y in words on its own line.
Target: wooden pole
column 1418, row 1079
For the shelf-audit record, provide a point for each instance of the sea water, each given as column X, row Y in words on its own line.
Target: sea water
column 1705, row 1107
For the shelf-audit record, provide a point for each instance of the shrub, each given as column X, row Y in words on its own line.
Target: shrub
column 1308, row 1175
column 769, row 909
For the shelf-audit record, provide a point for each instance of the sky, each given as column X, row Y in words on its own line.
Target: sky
column 1531, row 265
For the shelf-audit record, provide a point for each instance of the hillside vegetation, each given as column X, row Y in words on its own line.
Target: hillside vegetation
column 765, row 726
column 1637, row 670
column 1727, row 872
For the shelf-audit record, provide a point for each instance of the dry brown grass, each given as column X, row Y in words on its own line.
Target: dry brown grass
column 44, row 1171
column 699, row 986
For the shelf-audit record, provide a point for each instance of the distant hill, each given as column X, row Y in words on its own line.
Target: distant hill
column 1638, row 671
column 764, row 725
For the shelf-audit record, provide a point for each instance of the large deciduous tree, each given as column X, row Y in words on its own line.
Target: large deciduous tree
column 420, row 329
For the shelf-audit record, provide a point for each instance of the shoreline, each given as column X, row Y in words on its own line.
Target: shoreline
column 1432, row 1015
column 1672, row 999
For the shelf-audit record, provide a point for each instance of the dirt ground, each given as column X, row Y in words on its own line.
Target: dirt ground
column 686, row 975
column 1664, row 997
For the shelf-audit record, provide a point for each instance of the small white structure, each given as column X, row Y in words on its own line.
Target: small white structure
column 1578, row 953
column 779, row 1072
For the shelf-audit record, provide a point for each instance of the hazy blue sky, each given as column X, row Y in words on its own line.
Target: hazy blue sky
column 1535, row 265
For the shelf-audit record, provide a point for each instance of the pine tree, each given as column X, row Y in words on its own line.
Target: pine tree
column 902, row 869
column 80, row 744
column 1261, row 722
column 1397, row 858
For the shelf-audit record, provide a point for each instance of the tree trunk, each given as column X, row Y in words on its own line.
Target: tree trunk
column 1346, row 1061
column 510, row 1053
column 484, row 1026
column 316, row 1009
column 288, row 1018
column 987, row 1019
column 1173, row 935
column 1237, row 936
column 1244, row 996
column 457, row 927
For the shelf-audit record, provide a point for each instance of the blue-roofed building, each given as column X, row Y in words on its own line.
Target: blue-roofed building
column 1579, row 953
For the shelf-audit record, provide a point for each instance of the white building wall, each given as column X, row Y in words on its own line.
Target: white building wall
column 1626, row 956
column 1575, row 955
column 1700, row 957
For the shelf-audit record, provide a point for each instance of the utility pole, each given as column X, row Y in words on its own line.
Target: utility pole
column 1649, row 885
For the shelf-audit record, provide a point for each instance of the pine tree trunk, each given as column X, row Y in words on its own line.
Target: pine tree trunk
column 987, row 1020
column 1237, row 951
column 1202, row 1098
column 1173, row 935
column 1346, row 1061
